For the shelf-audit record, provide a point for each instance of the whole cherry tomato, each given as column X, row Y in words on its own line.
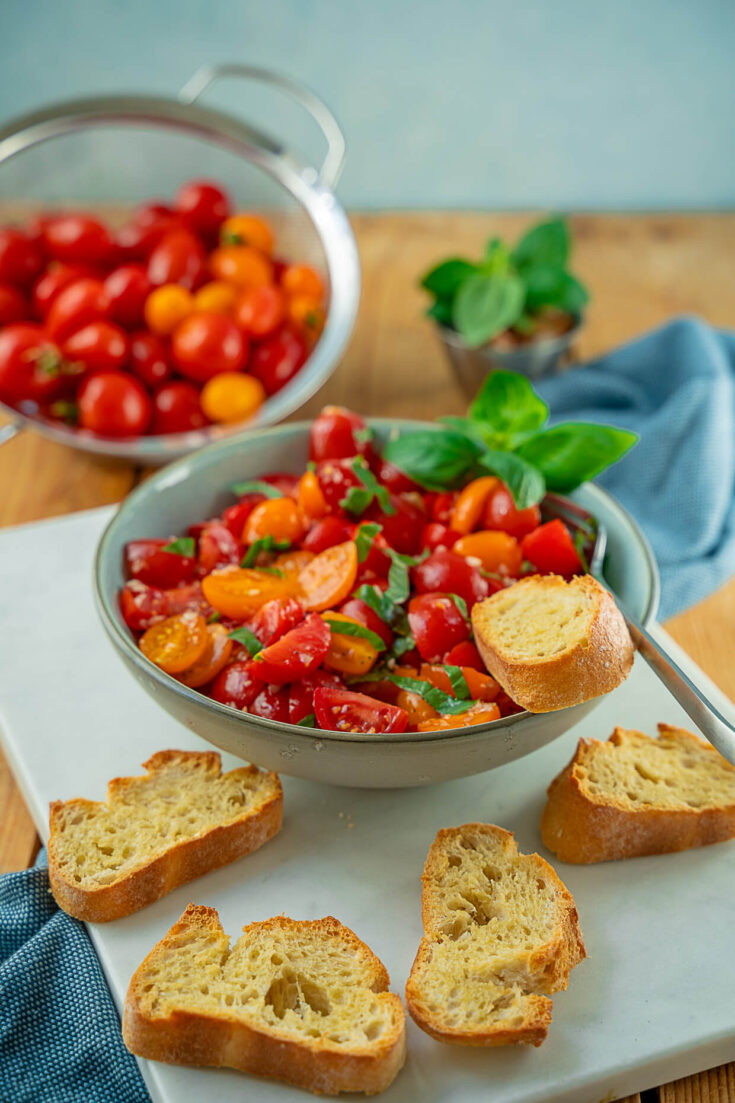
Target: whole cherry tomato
column 21, row 260
column 146, row 561
column 177, row 258
column 30, row 364
column 403, row 527
column 501, row 514
column 204, row 206
column 150, row 222
column 14, row 306
column 176, row 409
column 260, row 310
column 77, row 238
column 99, row 346
column 550, row 549
column 56, row 277
column 451, row 574
column 341, row 710
column 436, row 535
column 114, row 404
column 300, row 279
column 360, row 611
column 326, row 533
column 332, row 434
column 77, row 305
column 149, row 358
column 336, row 478
column 247, row 229
column 465, row 654
column 394, row 479
column 277, row 359
column 241, row 265
column 437, row 624
column 166, row 307
column 234, row 517
column 232, row 396
column 127, row 289
column 205, row 344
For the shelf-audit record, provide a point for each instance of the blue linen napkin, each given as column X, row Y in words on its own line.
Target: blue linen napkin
column 676, row 388
column 60, row 1039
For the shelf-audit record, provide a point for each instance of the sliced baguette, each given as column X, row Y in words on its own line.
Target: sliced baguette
column 552, row 643
column 634, row 795
column 500, row 933
column 156, row 832
column 305, row 1002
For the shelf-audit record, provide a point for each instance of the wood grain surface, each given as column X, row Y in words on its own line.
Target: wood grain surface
column 642, row 269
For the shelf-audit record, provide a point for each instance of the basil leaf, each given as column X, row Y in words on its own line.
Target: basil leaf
column 347, row 628
column 215, row 617
column 523, row 479
column 444, row 280
column 271, row 570
column 378, row 601
column 307, row 721
column 544, row 286
column 437, row 698
column 508, row 403
column 399, row 586
column 486, row 305
column 255, row 486
column 545, row 243
column 438, row 460
column 475, row 430
column 400, row 645
column 497, row 257
column 364, row 435
column 458, row 682
column 247, row 638
column 441, row 312
column 183, row 545
column 266, row 543
column 572, row 296
column 570, row 453
column 358, row 498
column 364, row 539
column 461, row 605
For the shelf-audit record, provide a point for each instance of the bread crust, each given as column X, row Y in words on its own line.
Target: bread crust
column 177, row 864
column 581, row 827
column 227, row 1039
column 588, row 669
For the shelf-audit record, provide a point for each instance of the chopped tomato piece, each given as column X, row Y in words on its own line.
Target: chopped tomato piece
column 276, row 517
column 239, row 592
column 275, row 618
column 436, row 624
column 478, row 714
column 326, row 533
column 301, row 694
column 177, row 643
column 237, row 685
column 502, row 514
column 497, row 552
column 465, row 654
column 348, row 654
column 217, row 547
column 550, row 549
column 296, row 653
column 271, row 703
column 148, row 562
column 342, row 710
column 449, row 573
column 330, row 577
column 336, row 479
column 470, row 504
column 482, row 687
column 234, row 517
column 142, row 605
column 416, row 707
column 215, row 658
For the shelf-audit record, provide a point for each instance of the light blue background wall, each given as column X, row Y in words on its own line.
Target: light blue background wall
column 456, row 103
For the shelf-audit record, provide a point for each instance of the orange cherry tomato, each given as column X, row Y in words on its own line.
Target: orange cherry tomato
column 300, row 279
column 176, row 643
column 478, row 714
column 238, row 592
column 216, row 297
column 417, row 708
column 468, row 508
column 166, row 307
column 241, row 265
column 497, row 551
column 276, row 517
column 312, row 502
column 260, row 310
column 348, row 654
column 215, row 658
column 308, row 313
column 247, row 229
column 293, row 562
column 330, row 577
column 231, row 397
column 482, row 687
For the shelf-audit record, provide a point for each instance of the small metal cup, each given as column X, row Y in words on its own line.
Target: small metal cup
column 534, row 360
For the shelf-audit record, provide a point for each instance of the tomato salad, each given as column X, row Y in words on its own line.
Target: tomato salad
column 340, row 598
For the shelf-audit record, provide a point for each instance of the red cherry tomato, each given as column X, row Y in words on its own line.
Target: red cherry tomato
column 149, row 358
column 142, row 605
column 14, row 306
column 326, row 533
column 501, row 514
column 436, row 625
column 394, row 479
column 30, row 364
column 204, row 345
column 56, row 277
column 217, row 547
column 234, row 517
column 296, row 653
column 336, row 477
column 274, row 619
column 272, row 704
column 440, row 506
column 114, row 404
column 550, row 549
column 176, row 409
column 449, row 573
column 99, row 346
column 75, row 306
column 237, row 685
column 403, row 527
column 203, row 206
column 177, row 258
column 150, row 222
column 341, row 710
column 377, row 561
column 77, row 238
column 465, row 654
column 276, row 360
column 332, row 434
column 261, row 310
column 360, row 611
column 127, row 289
column 301, row 694
column 146, row 561
column 436, row 535
column 21, row 260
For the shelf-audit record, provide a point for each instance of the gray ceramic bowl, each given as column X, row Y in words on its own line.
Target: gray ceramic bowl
column 196, row 487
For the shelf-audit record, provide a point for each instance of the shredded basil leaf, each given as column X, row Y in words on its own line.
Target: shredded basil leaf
column 271, row 570
column 377, row 600
column 461, row 605
column 214, row 617
column 307, row 721
column 437, row 698
column 364, row 435
column 347, row 628
column 183, row 545
column 358, row 498
column 364, row 539
column 256, row 486
column 247, row 638
column 266, row 543
column 399, row 586
column 402, row 644
column 458, row 682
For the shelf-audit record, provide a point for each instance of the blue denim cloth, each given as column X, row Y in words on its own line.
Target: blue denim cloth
column 60, row 1039
column 676, row 388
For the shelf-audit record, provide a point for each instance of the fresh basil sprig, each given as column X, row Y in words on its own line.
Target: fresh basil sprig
column 183, row 545
column 266, row 543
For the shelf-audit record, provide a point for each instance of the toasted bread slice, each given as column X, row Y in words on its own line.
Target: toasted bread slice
column 501, row 932
column 156, row 832
column 305, row 1002
column 552, row 643
column 634, row 795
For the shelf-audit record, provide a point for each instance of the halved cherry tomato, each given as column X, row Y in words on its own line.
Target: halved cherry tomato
column 30, row 364
column 436, row 624
column 394, row 479
column 149, row 358
column 99, row 346
column 146, row 561
column 465, row 654
column 301, row 279
column 205, row 344
column 203, row 205
column 239, row 592
column 236, row 516
column 215, row 658
column 550, row 549
column 77, row 238
column 237, row 685
column 312, row 502
column 330, row 577
column 142, row 605
column 14, row 306
column 217, row 548
column 166, row 308
column 260, row 310
column 435, row 535
column 416, row 707
column 332, row 434
column 498, row 552
column 277, row 359
column 336, row 478
column 450, row 573
column 296, row 653
column 440, row 506
column 293, row 562
column 76, row 305
column 216, row 297
column 482, row 687
column 114, row 404
column 348, row 654
column 177, row 258
column 176, row 409
column 326, row 533
column 230, row 397
column 21, row 260
column 357, row 609
column 343, row 711
column 501, row 514
column 470, row 504
column 241, row 265
column 127, row 289
column 177, row 643
column 247, row 229
column 271, row 703
column 276, row 618
column 403, row 527
column 479, row 714
column 276, row 517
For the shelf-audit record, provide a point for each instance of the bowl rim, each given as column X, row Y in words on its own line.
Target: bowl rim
column 124, row 642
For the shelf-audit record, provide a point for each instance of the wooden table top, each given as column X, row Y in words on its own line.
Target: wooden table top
column 642, row 269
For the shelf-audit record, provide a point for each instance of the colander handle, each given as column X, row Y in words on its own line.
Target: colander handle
column 333, row 163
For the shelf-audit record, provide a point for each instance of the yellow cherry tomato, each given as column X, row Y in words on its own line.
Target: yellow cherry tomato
column 348, row 654
column 241, row 265
column 310, row 497
column 176, row 643
column 238, row 592
column 276, row 517
column 247, row 229
column 166, row 306
column 231, row 396
column 308, row 313
column 293, row 562
column 498, row 552
column 301, row 279
column 216, row 297
column 468, row 508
